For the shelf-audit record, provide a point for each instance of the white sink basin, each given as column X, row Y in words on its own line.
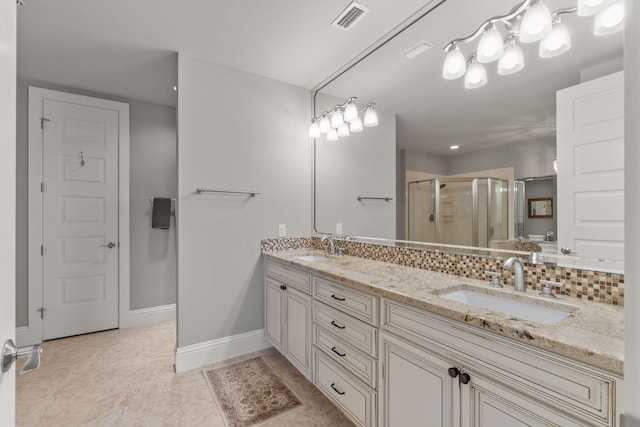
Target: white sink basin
column 311, row 257
column 519, row 309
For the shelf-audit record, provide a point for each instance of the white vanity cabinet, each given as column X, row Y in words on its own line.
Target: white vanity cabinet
column 453, row 374
column 288, row 314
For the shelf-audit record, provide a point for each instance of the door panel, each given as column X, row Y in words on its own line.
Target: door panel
column 273, row 313
column 80, row 218
column 8, row 191
column 298, row 333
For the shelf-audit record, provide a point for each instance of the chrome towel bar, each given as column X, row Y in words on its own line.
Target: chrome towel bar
column 386, row 199
column 201, row 190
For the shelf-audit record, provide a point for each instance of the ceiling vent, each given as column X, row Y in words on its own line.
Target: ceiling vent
column 350, row 16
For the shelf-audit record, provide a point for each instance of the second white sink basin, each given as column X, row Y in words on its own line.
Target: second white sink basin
column 311, row 257
column 519, row 309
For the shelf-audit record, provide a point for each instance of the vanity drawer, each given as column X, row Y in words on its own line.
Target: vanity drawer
column 570, row 386
column 358, row 304
column 355, row 399
column 357, row 333
column 289, row 276
column 361, row 365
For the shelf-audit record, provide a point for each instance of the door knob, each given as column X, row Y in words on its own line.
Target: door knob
column 109, row 245
column 10, row 353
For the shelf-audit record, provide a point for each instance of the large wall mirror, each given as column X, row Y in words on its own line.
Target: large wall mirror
column 450, row 165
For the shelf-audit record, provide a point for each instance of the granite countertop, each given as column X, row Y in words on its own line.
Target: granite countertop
column 593, row 333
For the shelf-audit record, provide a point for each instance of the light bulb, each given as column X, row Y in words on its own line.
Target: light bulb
column 332, row 135
column 370, row 117
column 555, row 166
column 610, row 20
column 512, row 61
column 536, row 23
column 476, row 76
column 591, row 7
column 454, row 64
column 336, row 118
column 356, row 125
column 491, row 46
column 314, row 130
column 557, row 42
column 350, row 111
column 325, row 124
column 343, row 130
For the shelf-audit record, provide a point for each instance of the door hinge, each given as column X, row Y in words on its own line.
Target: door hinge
column 42, row 120
column 41, row 250
column 42, row 186
column 41, row 310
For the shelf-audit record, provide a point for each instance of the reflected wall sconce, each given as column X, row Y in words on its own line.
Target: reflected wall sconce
column 530, row 21
column 342, row 120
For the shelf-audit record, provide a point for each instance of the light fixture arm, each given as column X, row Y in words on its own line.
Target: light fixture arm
column 341, row 106
column 504, row 18
column 563, row 11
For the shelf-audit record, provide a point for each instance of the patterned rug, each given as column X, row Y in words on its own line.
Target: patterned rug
column 250, row 392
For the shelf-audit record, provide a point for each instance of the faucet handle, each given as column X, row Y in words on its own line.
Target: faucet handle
column 546, row 288
column 495, row 279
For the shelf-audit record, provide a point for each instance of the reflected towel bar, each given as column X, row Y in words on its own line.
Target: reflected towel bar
column 151, row 200
column 386, row 199
column 201, row 190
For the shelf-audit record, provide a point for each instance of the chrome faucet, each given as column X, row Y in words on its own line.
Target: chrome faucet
column 519, row 273
column 331, row 247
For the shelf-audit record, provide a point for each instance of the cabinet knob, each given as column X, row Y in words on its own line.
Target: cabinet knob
column 283, row 287
column 465, row 378
column 454, row 372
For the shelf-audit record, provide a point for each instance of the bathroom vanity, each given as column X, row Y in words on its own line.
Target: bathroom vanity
column 381, row 342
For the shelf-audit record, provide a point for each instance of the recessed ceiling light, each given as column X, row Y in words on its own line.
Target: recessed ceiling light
column 418, row 49
column 454, row 147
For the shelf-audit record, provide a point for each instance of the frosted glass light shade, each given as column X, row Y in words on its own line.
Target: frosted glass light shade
column 350, row 112
column 332, row 135
column 512, row 61
column 370, row 117
column 356, row 125
column 454, row 64
column 557, row 42
column 591, row 7
column 536, row 23
column 610, row 20
column 325, row 124
column 336, row 118
column 343, row 130
column 491, row 46
column 476, row 76
column 314, row 130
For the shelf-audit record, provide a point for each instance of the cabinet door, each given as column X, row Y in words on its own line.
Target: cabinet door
column 416, row 389
column 298, row 330
column 486, row 404
column 273, row 304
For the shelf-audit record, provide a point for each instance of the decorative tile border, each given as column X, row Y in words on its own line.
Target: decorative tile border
column 607, row 288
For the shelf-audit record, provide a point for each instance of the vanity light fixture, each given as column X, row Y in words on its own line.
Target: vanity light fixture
column 342, row 120
column 528, row 22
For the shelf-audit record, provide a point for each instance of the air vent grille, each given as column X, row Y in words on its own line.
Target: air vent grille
column 350, row 16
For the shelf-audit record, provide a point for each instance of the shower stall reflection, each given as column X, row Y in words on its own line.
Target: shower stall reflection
column 458, row 211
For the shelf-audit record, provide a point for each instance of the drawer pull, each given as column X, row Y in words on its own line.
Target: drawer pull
column 454, row 372
column 333, row 322
column 465, row 378
column 333, row 386
column 337, row 298
column 338, row 353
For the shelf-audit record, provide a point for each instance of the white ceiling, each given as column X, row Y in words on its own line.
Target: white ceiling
column 127, row 48
column 433, row 113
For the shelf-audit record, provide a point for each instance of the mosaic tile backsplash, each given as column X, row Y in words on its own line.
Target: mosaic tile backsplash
column 589, row 285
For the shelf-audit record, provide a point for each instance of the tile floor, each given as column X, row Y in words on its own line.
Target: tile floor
column 126, row 378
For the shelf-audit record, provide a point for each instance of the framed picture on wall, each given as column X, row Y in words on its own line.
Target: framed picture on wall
column 541, row 208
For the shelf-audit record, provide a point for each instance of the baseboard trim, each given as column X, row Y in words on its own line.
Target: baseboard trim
column 204, row 353
column 151, row 315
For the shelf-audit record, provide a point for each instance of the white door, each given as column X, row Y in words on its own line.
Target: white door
column 590, row 149
column 8, row 191
column 79, row 218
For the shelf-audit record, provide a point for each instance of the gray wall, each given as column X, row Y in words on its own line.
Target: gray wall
column 237, row 131
column 535, row 190
column 153, row 172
